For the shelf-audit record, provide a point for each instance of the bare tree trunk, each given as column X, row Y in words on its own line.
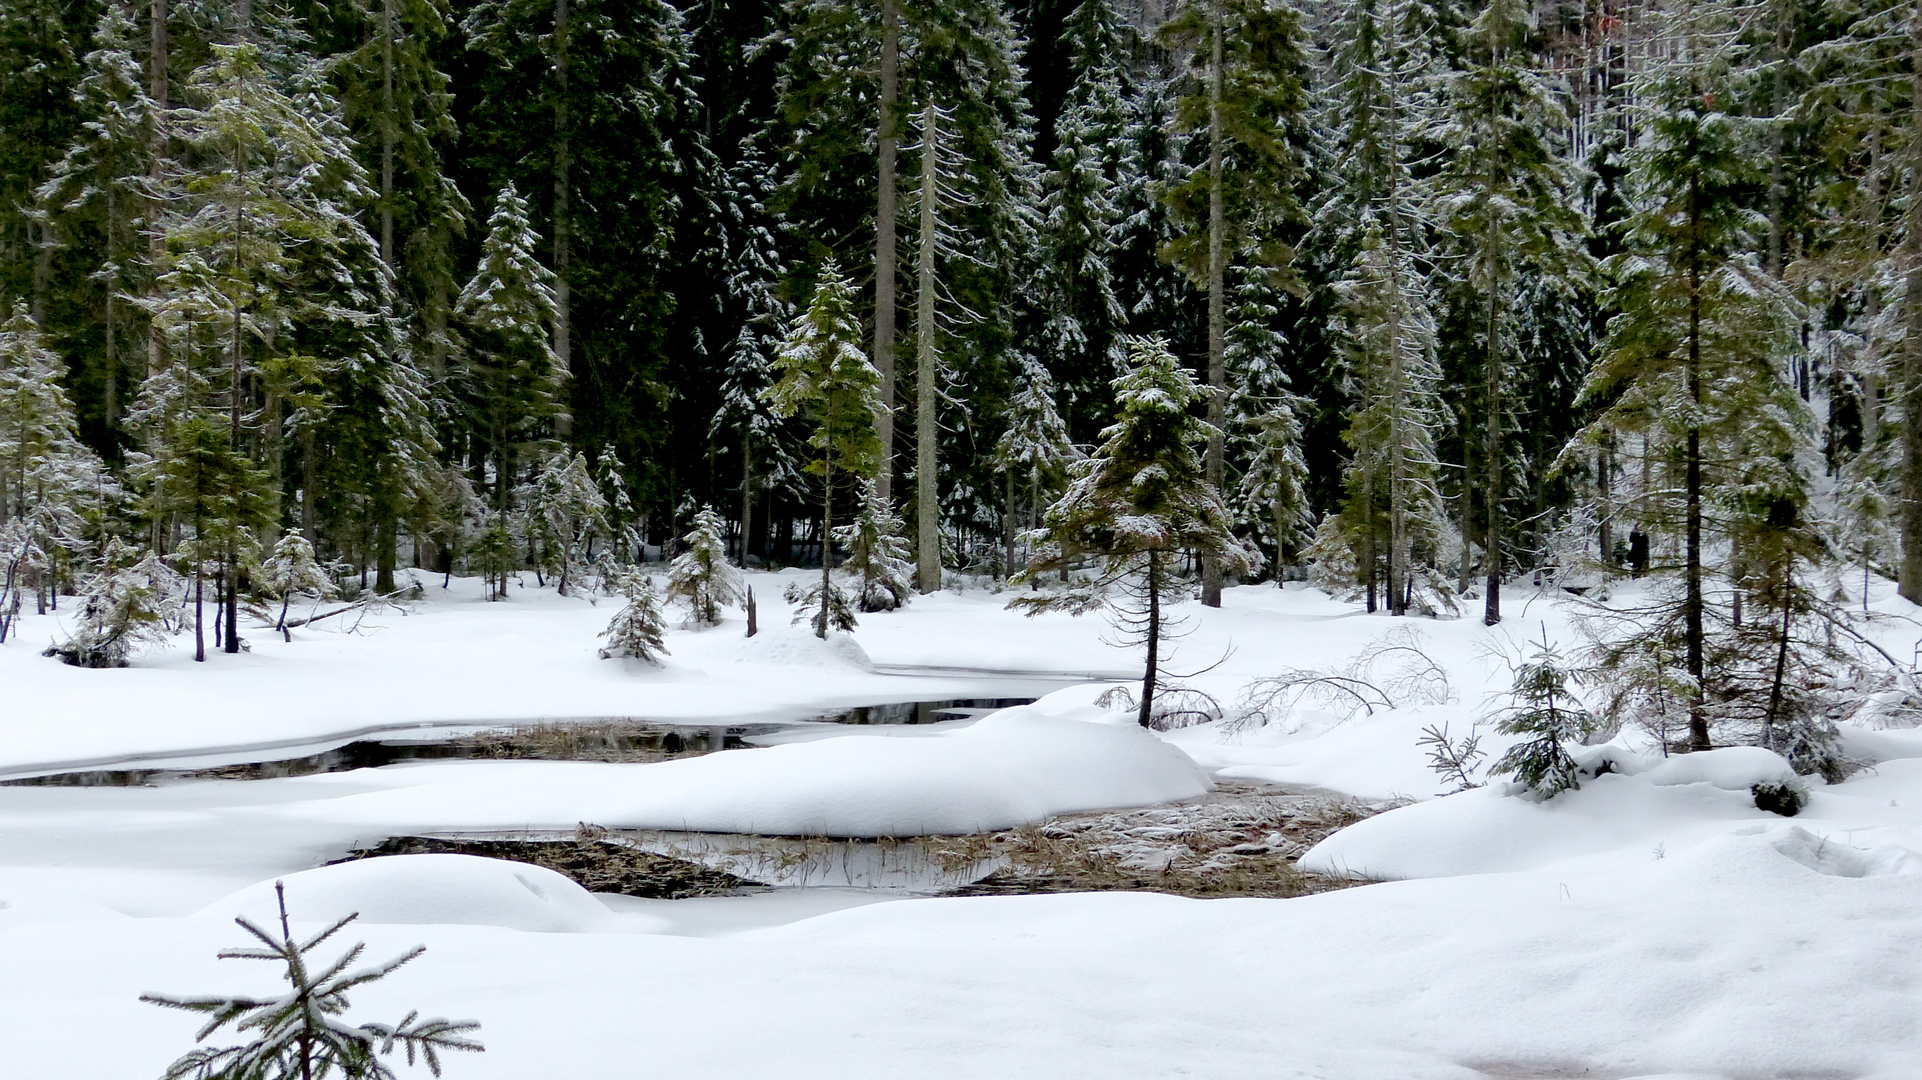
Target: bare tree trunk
column 1692, row 596
column 927, row 431
column 1467, row 508
column 1150, row 670
column 1211, row 576
column 1492, row 491
column 885, row 259
column 563, row 252
column 827, row 530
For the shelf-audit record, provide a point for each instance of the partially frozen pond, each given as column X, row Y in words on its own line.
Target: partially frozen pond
column 611, row 739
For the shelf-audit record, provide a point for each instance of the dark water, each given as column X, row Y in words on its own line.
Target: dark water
column 616, row 739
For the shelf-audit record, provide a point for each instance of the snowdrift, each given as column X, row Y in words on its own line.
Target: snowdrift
column 1011, row 768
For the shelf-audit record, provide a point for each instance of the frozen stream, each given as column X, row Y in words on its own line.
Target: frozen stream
column 186, row 829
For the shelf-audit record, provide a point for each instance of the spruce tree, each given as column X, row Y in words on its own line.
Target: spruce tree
column 96, row 201
column 824, row 375
column 1033, row 454
column 566, row 514
column 1504, row 197
column 1247, row 67
column 1081, row 208
column 635, row 631
column 1136, row 504
column 129, row 600
column 292, row 569
column 878, row 558
column 509, row 375
column 700, row 576
column 1689, row 358
column 300, row 1033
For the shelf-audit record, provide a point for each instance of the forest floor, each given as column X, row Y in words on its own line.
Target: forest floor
column 1043, row 890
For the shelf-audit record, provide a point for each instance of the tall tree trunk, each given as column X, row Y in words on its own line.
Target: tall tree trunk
column 1150, row 671
column 927, row 431
column 387, row 121
column 827, row 531
column 885, row 258
column 157, row 90
column 1692, row 573
column 1467, row 508
column 563, row 251
column 1008, row 527
column 1492, row 452
column 747, row 494
column 1211, row 576
column 1909, row 581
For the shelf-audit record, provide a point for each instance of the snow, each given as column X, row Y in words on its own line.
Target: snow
column 1012, row 768
column 1652, row 923
column 427, row 889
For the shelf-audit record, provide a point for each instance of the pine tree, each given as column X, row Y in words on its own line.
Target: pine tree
column 878, row 559
column 1248, row 69
column 1505, row 200
column 51, row 486
column 589, row 107
column 1392, row 520
column 700, row 576
column 566, row 514
column 299, row 1032
column 754, row 300
column 248, row 214
column 95, row 202
column 290, row 570
column 1081, row 208
column 1033, row 453
column 1381, row 108
column 1136, row 504
column 510, row 375
column 635, row 632
column 1547, row 713
column 824, row 375
column 1689, row 359
column 198, row 476
column 128, row 601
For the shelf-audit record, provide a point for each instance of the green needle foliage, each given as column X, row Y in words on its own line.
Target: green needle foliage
column 1551, row 718
column 301, row 1033
column 1138, row 504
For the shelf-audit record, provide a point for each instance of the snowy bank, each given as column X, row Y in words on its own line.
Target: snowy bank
column 1012, row 768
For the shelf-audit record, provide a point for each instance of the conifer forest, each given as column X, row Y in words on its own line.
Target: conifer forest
column 1471, row 290
column 960, row 539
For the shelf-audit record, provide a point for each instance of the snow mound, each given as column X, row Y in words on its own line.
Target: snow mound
column 1827, row 856
column 1011, row 768
column 797, row 646
column 1733, row 768
column 434, row 889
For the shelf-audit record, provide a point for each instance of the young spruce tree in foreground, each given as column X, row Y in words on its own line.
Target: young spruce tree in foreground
column 299, row 1033
column 1138, row 504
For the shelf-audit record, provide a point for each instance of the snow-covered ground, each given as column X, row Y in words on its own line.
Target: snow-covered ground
column 1652, row 923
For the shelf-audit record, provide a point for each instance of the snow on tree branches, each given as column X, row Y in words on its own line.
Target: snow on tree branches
column 701, row 577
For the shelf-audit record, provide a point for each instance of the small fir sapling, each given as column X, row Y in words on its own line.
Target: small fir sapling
column 492, row 552
column 291, row 570
column 823, row 605
column 131, row 601
column 636, row 629
column 1547, row 713
column 300, row 1033
column 877, row 554
column 567, row 512
column 701, row 577
column 1454, row 761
